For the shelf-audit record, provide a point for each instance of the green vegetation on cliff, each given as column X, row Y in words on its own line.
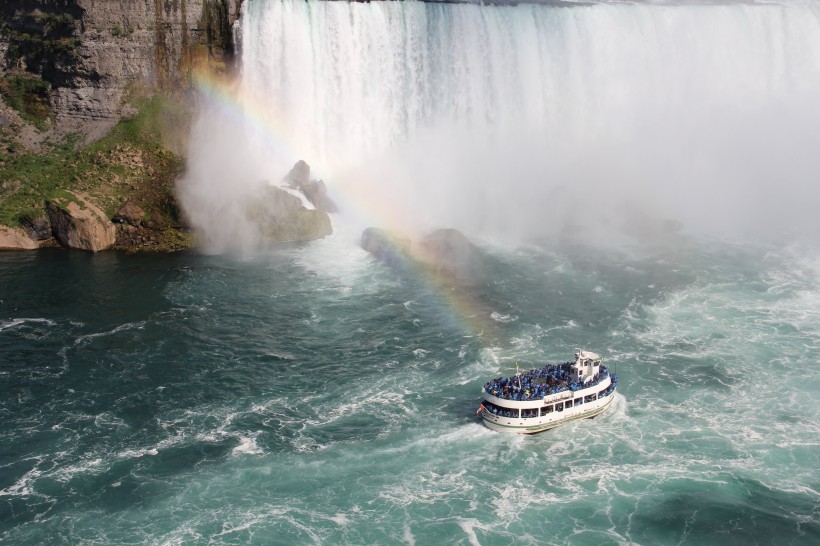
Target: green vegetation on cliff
column 131, row 163
column 42, row 43
column 28, row 95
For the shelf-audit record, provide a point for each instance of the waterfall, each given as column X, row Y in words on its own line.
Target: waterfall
column 498, row 118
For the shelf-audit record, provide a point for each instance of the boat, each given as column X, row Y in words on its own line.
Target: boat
column 541, row 399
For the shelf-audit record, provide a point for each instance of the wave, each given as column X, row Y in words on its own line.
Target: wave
column 12, row 323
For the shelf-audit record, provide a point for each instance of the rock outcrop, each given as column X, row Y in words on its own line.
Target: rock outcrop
column 16, row 239
column 92, row 53
column 281, row 217
column 388, row 247
column 77, row 223
column 445, row 253
column 314, row 190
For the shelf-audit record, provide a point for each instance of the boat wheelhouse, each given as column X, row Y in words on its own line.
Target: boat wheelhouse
column 541, row 399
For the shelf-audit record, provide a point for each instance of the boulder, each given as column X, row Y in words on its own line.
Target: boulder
column 448, row 251
column 445, row 253
column 298, row 175
column 78, row 223
column 388, row 247
column 282, row 218
column 16, row 239
column 299, row 225
column 130, row 213
column 314, row 190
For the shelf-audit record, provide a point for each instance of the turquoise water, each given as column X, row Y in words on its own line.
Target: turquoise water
column 311, row 395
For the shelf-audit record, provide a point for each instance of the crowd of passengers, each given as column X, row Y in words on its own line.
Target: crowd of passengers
column 536, row 384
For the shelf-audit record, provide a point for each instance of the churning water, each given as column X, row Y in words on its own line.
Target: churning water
column 310, row 394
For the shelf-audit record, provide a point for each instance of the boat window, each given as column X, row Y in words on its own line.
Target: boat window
column 579, row 401
column 559, row 406
column 546, row 409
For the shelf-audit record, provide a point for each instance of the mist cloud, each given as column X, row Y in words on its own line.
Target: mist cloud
column 530, row 122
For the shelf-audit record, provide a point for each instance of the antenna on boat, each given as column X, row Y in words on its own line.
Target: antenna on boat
column 518, row 374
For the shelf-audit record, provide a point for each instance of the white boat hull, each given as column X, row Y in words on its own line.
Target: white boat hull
column 533, row 425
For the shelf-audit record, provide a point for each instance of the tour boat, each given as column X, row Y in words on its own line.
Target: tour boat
column 544, row 398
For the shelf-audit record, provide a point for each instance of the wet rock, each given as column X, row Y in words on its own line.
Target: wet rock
column 77, row 223
column 388, row 247
column 445, row 253
column 314, row 190
column 281, row 218
column 448, row 251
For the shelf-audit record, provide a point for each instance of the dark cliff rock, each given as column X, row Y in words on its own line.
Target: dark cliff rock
column 91, row 54
column 38, row 229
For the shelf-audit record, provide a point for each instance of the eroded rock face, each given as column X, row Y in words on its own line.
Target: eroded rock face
column 111, row 48
column 16, row 239
column 78, row 223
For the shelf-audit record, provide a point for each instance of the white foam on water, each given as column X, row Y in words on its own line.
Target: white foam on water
column 23, row 487
column 340, row 519
column 247, row 446
column 84, row 339
column 340, row 261
column 499, row 317
column 469, row 525
column 407, row 535
column 14, row 322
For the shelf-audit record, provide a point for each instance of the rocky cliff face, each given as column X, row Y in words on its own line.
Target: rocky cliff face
column 88, row 55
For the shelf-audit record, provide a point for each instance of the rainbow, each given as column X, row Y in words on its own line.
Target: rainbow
column 460, row 308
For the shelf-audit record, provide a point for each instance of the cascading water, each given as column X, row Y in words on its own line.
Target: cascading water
column 491, row 118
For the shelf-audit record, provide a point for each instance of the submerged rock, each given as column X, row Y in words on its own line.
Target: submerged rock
column 16, row 239
column 78, row 223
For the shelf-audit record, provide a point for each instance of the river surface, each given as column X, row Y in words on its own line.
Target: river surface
column 611, row 160
column 311, row 394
